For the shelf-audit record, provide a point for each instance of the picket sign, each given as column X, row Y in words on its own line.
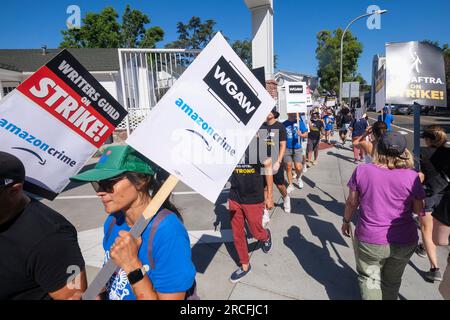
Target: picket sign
column 214, row 109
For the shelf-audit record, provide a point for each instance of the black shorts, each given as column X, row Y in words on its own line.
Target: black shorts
column 442, row 210
column 278, row 178
column 432, row 202
column 312, row 145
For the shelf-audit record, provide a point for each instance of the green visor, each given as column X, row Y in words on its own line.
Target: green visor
column 115, row 161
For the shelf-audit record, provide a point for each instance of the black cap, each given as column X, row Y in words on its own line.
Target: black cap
column 275, row 113
column 11, row 169
column 392, row 144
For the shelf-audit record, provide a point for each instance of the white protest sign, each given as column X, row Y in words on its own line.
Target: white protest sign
column 350, row 90
column 202, row 126
column 55, row 121
column 296, row 97
column 331, row 102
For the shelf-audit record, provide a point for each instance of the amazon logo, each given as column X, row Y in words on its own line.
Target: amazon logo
column 42, row 162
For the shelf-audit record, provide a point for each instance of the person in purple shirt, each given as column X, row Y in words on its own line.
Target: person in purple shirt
column 387, row 192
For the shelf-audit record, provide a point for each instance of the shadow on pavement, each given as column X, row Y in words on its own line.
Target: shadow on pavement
column 301, row 206
column 339, row 281
column 331, row 205
column 340, row 156
column 419, row 272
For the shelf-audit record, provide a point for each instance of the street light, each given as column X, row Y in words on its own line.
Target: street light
column 342, row 45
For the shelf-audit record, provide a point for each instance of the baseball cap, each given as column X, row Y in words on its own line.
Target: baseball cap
column 11, row 169
column 392, row 144
column 115, row 161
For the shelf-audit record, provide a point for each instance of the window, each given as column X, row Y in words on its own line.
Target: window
column 7, row 90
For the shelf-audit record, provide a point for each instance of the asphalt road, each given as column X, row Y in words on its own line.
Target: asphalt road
column 405, row 124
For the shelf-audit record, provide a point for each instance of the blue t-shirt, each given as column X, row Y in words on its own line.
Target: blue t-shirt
column 359, row 127
column 388, row 119
column 174, row 270
column 329, row 122
column 291, row 134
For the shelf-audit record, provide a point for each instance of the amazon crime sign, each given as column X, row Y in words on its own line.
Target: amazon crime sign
column 55, row 121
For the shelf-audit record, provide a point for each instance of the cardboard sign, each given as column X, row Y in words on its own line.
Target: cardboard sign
column 55, row 121
column 201, row 128
column 415, row 72
column 296, row 97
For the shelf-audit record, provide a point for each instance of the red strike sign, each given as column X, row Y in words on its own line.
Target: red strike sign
column 52, row 94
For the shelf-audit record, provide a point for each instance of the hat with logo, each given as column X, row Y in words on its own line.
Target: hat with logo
column 392, row 144
column 275, row 113
column 115, row 161
column 11, row 169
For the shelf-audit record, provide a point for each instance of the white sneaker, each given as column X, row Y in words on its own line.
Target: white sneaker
column 266, row 218
column 287, row 204
column 300, row 183
column 305, row 168
column 290, row 188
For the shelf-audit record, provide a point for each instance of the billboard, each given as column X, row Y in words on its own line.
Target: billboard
column 415, row 72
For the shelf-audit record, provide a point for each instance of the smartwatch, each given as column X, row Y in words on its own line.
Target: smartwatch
column 137, row 275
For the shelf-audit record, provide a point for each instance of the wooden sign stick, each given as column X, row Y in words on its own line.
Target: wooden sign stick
column 110, row 267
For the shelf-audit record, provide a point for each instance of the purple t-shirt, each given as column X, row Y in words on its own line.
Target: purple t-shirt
column 386, row 204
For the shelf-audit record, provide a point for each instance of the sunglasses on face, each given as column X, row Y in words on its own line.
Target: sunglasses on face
column 106, row 185
column 6, row 183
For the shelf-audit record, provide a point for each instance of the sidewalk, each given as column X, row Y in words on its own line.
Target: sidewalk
column 310, row 259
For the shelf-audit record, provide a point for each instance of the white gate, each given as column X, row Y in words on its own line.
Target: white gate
column 146, row 75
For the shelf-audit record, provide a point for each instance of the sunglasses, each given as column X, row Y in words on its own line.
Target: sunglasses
column 6, row 183
column 106, row 185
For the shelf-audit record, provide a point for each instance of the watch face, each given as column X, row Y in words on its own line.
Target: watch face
column 135, row 276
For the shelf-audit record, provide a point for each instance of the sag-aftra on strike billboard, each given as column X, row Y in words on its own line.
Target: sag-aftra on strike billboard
column 55, row 121
column 415, row 72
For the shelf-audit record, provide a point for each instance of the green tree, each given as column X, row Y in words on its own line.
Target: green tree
column 102, row 30
column 244, row 50
column 194, row 34
column 328, row 57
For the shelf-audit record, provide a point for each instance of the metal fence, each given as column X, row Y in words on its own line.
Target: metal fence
column 146, row 75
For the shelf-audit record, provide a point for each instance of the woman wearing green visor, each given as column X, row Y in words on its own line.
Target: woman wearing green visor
column 157, row 266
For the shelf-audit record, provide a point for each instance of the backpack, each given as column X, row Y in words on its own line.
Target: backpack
column 191, row 293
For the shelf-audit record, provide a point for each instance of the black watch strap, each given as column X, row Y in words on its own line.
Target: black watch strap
column 137, row 275
column 345, row 221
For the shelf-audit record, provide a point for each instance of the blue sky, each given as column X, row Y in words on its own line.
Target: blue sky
column 30, row 23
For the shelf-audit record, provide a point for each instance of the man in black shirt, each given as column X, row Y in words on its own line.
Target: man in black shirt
column 273, row 135
column 40, row 256
column 316, row 127
column 246, row 203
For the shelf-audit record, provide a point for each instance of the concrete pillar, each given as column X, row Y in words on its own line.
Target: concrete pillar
column 1, row 90
column 262, row 29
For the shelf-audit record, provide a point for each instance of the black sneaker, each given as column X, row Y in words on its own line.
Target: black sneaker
column 434, row 275
column 267, row 245
column 239, row 274
column 420, row 251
